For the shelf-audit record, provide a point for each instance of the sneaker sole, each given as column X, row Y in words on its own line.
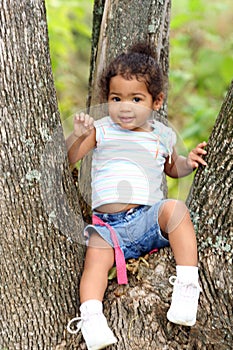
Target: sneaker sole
column 182, row 323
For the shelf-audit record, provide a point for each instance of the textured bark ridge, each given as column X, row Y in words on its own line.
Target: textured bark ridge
column 211, row 207
column 40, row 254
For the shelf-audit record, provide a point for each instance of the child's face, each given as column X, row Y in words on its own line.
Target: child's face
column 130, row 104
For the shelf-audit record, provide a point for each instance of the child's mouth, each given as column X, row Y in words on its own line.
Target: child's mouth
column 126, row 120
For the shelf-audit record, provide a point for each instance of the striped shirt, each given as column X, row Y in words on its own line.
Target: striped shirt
column 127, row 166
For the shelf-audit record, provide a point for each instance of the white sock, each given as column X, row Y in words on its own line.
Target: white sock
column 187, row 273
column 91, row 307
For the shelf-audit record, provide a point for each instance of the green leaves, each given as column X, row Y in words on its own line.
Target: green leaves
column 70, row 27
column 201, row 69
column 201, row 63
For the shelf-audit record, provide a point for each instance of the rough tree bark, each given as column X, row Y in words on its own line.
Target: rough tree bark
column 41, row 256
column 211, row 206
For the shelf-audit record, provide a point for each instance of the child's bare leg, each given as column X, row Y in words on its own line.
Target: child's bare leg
column 98, row 261
column 174, row 220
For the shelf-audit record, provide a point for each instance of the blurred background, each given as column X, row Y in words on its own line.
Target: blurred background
column 201, row 66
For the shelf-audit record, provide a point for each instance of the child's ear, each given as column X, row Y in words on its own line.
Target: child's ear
column 157, row 104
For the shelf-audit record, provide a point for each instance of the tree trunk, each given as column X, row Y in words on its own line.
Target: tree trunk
column 41, row 254
column 211, row 206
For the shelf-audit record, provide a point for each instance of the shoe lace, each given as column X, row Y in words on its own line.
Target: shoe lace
column 80, row 321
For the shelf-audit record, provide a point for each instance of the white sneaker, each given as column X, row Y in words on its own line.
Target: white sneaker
column 93, row 325
column 183, row 309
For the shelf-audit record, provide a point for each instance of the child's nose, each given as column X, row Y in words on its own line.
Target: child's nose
column 126, row 107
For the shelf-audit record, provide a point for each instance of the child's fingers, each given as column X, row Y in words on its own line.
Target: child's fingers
column 79, row 117
column 195, row 156
column 200, row 160
column 76, row 118
column 202, row 145
column 200, row 148
column 84, row 119
column 88, row 121
column 195, row 159
column 200, row 151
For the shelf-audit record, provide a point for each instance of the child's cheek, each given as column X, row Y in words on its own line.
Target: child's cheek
column 113, row 109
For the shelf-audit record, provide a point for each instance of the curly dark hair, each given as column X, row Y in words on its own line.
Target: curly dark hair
column 139, row 61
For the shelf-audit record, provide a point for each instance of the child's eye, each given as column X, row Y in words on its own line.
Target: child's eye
column 136, row 99
column 116, row 99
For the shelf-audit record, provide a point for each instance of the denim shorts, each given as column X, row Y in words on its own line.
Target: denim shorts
column 137, row 230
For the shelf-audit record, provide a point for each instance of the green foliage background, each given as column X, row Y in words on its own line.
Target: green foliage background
column 70, row 28
column 201, row 65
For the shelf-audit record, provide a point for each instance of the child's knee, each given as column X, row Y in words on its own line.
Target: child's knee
column 99, row 253
column 171, row 215
column 171, row 207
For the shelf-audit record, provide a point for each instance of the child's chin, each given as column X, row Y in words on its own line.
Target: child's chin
column 128, row 126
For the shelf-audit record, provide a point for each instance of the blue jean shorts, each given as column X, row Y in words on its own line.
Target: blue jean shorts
column 137, row 230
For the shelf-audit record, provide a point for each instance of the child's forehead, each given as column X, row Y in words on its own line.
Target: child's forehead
column 132, row 83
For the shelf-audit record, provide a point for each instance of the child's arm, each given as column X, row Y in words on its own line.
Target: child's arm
column 181, row 166
column 82, row 139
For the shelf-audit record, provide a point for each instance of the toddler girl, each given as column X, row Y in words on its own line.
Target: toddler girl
column 130, row 215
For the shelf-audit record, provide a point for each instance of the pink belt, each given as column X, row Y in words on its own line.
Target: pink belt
column 119, row 256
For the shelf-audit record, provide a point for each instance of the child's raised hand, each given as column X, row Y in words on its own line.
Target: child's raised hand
column 195, row 156
column 83, row 124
